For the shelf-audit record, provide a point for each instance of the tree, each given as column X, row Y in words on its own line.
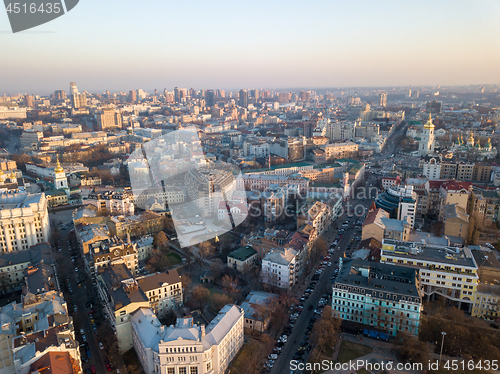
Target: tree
column 161, row 241
column 230, row 285
column 325, row 331
column 218, row 300
column 201, row 296
column 186, row 281
column 216, row 266
column 411, row 349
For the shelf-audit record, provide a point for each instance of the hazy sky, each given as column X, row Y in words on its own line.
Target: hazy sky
column 121, row 45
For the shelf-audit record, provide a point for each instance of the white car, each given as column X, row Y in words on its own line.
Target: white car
column 82, row 332
column 84, row 338
column 101, row 346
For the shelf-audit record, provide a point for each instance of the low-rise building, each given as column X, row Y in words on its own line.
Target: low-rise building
column 256, row 307
column 456, row 221
column 242, row 258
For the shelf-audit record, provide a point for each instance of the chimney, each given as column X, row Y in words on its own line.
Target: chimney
column 202, row 328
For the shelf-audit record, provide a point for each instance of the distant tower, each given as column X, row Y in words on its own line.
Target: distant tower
column 243, row 100
column 60, row 179
column 426, row 145
column 383, row 99
column 73, row 90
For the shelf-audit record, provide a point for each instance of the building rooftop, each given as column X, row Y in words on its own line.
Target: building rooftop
column 432, row 253
column 253, row 300
column 383, row 281
column 154, row 281
column 242, row 253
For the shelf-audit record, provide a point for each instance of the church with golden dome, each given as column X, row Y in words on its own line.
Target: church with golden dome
column 473, row 147
column 60, row 180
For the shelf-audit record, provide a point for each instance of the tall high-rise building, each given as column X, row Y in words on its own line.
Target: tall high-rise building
column 383, row 99
column 210, row 97
column 132, row 96
column 79, row 100
column 254, row 94
column 60, row 95
column 243, row 99
column 433, row 106
column 29, row 100
column 73, row 90
column 221, row 93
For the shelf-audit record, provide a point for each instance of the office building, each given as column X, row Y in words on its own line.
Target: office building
column 243, row 98
column 109, row 119
column 447, row 272
column 382, row 99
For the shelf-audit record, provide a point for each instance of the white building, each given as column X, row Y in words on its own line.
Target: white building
column 432, row 168
column 426, row 145
column 24, row 221
column 278, row 268
column 187, row 348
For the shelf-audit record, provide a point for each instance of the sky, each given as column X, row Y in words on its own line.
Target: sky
column 122, row 45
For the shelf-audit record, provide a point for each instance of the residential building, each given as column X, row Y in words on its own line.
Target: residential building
column 115, row 203
column 340, row 150
column 379, row 226
column 456, row 221
column 24, row 221
column 242, row 258
column 40, row 324
column 256, row 306
column 187, row 348
column 278, row 268
column 121, row 297
column 383, row 297
column 136, row 226
column 163, row 290
column 453, row 192
column 318, row 215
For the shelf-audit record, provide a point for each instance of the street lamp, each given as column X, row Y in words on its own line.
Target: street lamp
column 442, row 343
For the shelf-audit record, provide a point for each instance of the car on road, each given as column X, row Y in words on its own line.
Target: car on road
column 101, row 346
column 84, row 338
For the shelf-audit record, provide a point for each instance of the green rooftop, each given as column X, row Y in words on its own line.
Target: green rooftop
column 242, row 253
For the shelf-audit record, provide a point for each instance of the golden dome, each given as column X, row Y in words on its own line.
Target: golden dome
column 1, row 172
column 12, row 176
column 429, row 124
column 58, row 168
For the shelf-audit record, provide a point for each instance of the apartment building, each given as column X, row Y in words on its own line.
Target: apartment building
column 163, row 290
column 384, row 297
column 340, row 150
column 279, row 268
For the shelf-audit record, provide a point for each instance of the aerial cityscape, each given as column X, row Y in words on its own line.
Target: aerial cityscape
column 224, row 189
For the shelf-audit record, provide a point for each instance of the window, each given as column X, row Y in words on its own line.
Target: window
column 193, row 370
column 170, row 370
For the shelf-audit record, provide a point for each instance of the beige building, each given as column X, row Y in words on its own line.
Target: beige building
column 164, row 291
column 447, row 272
column 453, row 192
column 122, row 297
column 340, row 150
column 109, row 119
column 456, row 221
column 379, row 226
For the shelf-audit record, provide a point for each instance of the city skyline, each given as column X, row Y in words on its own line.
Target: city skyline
column 229, row 46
